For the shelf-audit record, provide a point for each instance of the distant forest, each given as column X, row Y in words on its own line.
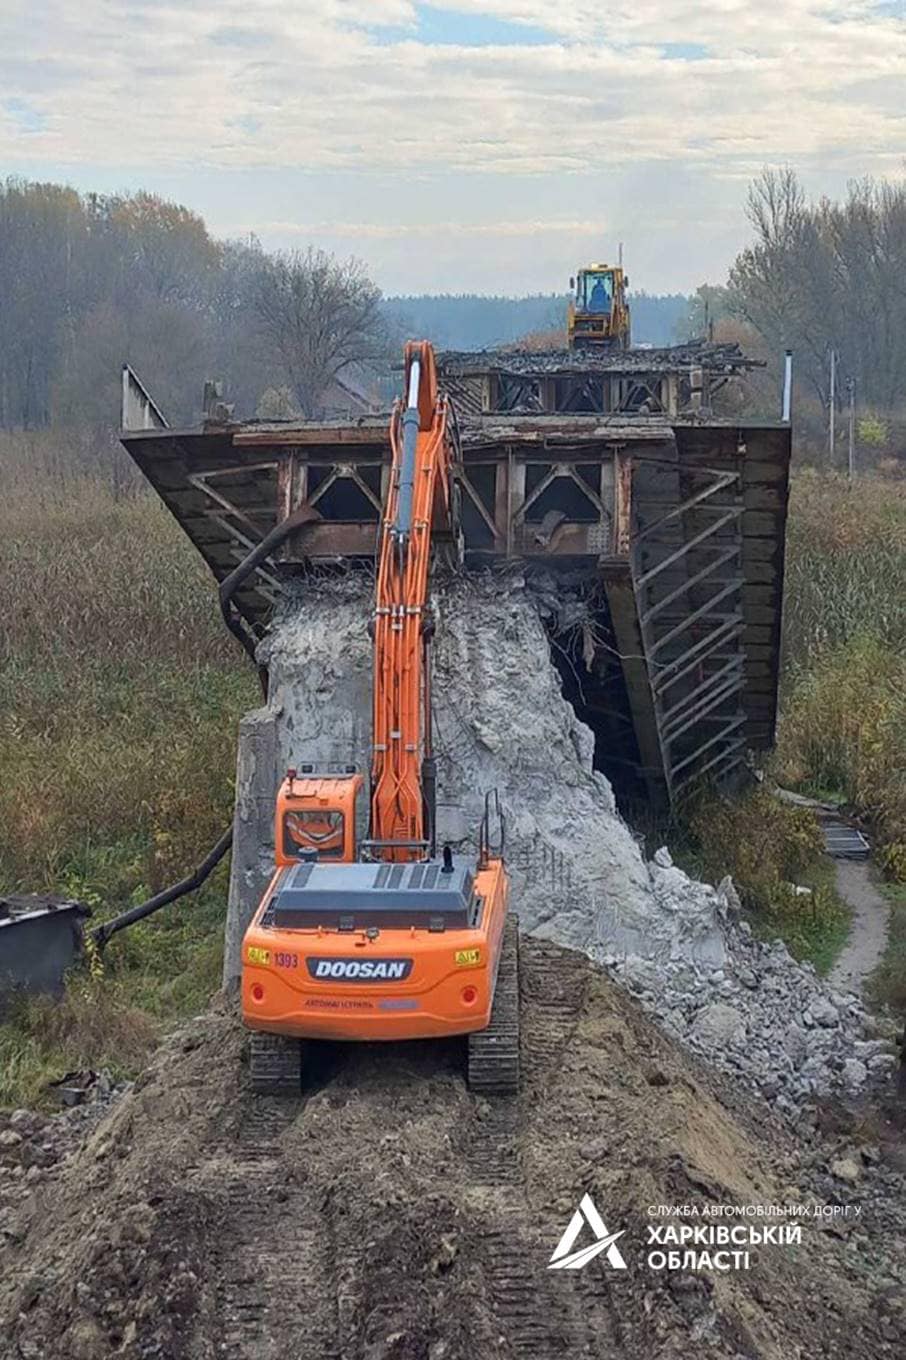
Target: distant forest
column 469, row 321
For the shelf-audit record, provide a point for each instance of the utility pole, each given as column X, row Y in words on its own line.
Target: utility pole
column 832, row 422
column 786, row 412
column 851, row 461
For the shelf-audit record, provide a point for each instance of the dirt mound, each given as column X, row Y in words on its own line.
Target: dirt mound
column 389, row 1215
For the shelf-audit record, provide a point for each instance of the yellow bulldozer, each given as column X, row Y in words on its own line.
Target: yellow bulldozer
column 598, row 314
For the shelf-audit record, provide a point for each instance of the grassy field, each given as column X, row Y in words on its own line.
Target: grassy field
column 120, row 693
column 843, row 727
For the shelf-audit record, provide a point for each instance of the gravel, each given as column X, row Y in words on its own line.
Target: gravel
column 761, row 1015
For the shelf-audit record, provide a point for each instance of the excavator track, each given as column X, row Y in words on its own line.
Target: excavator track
column 493, row 1061
column 275, row 1064
column 554, row 984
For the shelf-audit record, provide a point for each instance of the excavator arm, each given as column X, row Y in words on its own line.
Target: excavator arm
column 418, row 501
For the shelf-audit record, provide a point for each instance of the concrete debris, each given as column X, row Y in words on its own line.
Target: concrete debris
column 579, row 876
column 713, row 357
column 719, row 1025
column 766, row 1018
column 846, row 1169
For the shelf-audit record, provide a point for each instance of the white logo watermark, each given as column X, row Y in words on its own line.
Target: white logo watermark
column 564, row 1258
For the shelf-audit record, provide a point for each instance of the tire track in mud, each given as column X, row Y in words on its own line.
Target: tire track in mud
column 294, row 1280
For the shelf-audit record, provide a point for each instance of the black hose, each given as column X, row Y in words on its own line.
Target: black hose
column 244, row 635
column 102, row 933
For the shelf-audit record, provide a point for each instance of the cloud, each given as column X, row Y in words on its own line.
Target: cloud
column 395, row 231
column 735, row 79
column 24, row 117
column 351, row 90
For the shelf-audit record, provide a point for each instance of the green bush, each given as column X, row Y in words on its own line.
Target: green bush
column 844, row 729
column 770, row 848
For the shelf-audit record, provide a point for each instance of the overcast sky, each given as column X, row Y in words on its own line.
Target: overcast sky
column 482, row 144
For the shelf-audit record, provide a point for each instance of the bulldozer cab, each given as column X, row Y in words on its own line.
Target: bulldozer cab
column 594, row 290
column 316, row 818
column 598, row 314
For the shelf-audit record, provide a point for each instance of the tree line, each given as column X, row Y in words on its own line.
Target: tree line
column 829, row 276
column 823, row 279
column 88, row 282
column 469, row 321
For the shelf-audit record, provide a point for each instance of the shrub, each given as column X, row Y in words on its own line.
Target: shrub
column 844, row 729
column 120, row 695
column 846, row 563
column 770, row 848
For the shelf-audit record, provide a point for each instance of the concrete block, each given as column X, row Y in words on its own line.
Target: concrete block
column 253, row 830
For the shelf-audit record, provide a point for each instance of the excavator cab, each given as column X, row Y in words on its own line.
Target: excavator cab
column 379, row 937
column 316, row 817
column 598, row 313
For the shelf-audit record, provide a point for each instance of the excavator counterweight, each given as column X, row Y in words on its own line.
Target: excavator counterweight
column 378, row 937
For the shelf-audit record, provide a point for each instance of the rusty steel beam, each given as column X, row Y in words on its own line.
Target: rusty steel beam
column 732, row 756
column 696, row 654
column 709, row 697
column 722, row 479
column 699, row 613
column 688, row 546
column 335, row 538
column 690, row 581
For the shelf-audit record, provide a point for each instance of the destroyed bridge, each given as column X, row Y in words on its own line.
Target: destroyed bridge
column 611, row 469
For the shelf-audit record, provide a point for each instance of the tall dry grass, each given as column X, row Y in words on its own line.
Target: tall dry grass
column 119, row 691
column 843, row 715
column 845, row 568
column 120, row 694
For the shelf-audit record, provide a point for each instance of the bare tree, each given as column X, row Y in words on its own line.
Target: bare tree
column 780, row 284
column 321, row 315
column 829, row 276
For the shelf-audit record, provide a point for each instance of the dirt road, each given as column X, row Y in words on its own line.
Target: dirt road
column 867, row 941
column 389, row 1215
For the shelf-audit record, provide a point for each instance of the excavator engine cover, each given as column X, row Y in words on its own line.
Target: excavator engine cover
column 374, row 896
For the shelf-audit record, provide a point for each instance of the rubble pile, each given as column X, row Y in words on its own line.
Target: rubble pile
column 34, row 1144
column 579, row 876
column 758, row 1014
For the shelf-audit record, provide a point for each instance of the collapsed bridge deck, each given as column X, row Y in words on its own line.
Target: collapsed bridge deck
column 680, row 522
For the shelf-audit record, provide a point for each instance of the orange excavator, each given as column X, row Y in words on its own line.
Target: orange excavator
column 382, row 939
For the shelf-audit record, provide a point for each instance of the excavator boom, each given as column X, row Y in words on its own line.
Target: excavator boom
column 402, row 814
